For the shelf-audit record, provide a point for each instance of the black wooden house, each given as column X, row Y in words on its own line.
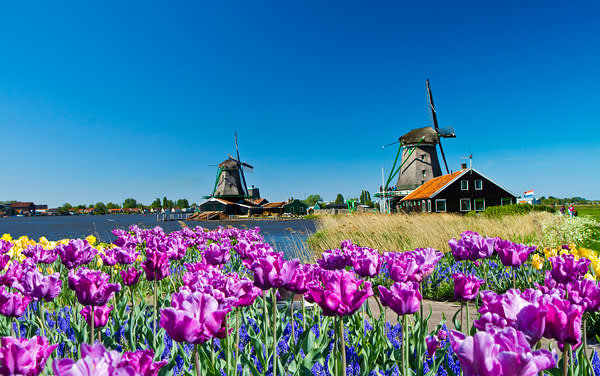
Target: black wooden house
column 459, row 192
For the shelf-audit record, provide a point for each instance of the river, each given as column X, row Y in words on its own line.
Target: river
column 288, row 236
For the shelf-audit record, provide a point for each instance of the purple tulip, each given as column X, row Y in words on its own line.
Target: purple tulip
column 92, row 287
column 366, row 262
column 565, row 268
column 13, row 276
column 194, row 317
column 339, row 293
column 272, row 271
column 5, row 246
column 499, row 352
column 403, row 298
column 142, row 362
column 304, row 274
column 40, row 255
column 94, row 360
column 4, row 259
column 466, row 287
column 471, row 246
column 403, row 266
column 334, row 259
column 156, row 265
column 77, row 252
column 242, row 292
column 427, row 259
column 585, row 293
column 125, row 255
column 217, row 254
column 41, row 287
column 12, row 304
column 130, row 276
column 512, row 254
column 101, row 315
column 563, row 321
column 24, row 357
column 432, row 343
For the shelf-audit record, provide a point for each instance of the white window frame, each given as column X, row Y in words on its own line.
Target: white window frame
column 480, row 184
column 436, row 205
column 429, row 206
column 460, row 204
column 466, row 188
column 475, row 204
column 423, row 206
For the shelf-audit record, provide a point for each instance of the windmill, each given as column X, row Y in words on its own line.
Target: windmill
column 231, row 182
column 418, row 154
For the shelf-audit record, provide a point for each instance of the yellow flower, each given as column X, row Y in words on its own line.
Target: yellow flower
column 589, row 276
column 550, row 252
column 91, row 239
column 50, row 270
column 43, row 241
column 7, row 237
column 537, row 262
column 139, row 258
column 99, row 261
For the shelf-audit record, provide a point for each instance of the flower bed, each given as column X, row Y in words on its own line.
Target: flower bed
column 223, row 302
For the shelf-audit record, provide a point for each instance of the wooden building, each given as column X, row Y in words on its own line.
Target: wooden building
column 459, row 192
column 295, row 207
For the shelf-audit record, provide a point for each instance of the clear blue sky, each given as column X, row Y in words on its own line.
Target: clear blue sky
column 107, row 101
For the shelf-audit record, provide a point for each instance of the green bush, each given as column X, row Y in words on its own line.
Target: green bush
column 514, row 209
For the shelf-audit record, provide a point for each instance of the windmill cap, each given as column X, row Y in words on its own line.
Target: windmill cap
column 428, row 135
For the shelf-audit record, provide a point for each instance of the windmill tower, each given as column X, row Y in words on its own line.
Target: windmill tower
column 231, row 182
column 418, row 156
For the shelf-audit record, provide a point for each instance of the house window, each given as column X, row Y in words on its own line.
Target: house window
column 429, row 206
column 440, row 205
column 464, row 185
column 422, row 182
column 478, row 185
column 465, row 204
column 423, row 207
column 479, row 204
column 424, row 173
column 505, row 201
column 423, row 157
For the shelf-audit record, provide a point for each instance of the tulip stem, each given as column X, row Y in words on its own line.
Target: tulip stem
column 265, row 323
column 274, row 323
column 468, row 332
column 405, row 344
column 197, row 360
column 41, row 313
column 12, row 327
column 514, row 277
column 154, row 323
column 566, row 349
column 237, row 337
column 92, row 322
column 342, row 345
column 292, row 319
column 462, row 305
column 303, row 314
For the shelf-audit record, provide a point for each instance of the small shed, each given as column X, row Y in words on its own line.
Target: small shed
column 295, row 207
column 274, row 208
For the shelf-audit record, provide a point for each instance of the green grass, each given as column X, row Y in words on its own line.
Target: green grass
column 589, row 211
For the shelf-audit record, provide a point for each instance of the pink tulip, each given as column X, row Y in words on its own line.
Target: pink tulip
column 101, row 315
column 272, row 271
column 402, row 297
column 24, row 357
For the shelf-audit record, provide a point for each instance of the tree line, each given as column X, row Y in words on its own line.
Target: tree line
column 364, row 199
column 129, row 203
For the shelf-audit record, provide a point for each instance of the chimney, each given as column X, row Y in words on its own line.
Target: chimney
column 463, row 166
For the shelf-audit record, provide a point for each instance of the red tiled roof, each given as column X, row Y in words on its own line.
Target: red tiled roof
column 431, row 186
column 274, row 204
column 21, row 204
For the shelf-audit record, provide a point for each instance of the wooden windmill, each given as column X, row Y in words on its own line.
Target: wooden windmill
column 231, row 182
column 419, row 160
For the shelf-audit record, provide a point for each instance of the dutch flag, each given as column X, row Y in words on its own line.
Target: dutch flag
column 528, row 193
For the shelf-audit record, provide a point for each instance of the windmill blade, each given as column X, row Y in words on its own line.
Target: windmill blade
column 432, row 107
column 250, row 167
column 237, row 150
column 393, row 143
column 444, row 157
column 233, row 158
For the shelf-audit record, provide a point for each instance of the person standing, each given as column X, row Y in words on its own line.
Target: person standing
column 571, row 210
column 562, row 211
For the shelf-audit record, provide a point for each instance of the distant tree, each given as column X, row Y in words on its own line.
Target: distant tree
column 183, row 203
column 100, row 208
column 170, row 204
column 155, row 204
column 165, row 203
column 339, row 199
column 81, row 206
column 311, row 200
column 112, row 205
column 129, row 203
column 65, row 208
column 364, row 196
